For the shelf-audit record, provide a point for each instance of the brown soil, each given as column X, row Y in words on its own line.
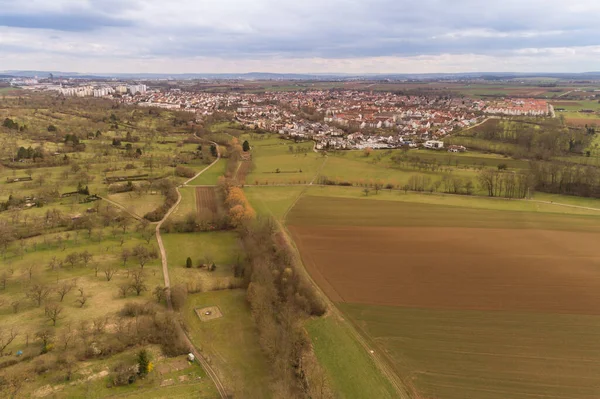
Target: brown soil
column 206, row 199
column 455, row 268
column 583, row 121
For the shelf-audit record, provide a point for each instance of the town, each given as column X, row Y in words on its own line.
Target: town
column 333, row 119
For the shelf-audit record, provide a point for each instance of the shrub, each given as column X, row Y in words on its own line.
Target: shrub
column 178, row 296
column 133, row 309
column 183, row 171
column 123, row 375
column 188, row 263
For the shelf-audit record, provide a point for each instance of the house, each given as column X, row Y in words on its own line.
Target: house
column 434, row 144
column 456, row 148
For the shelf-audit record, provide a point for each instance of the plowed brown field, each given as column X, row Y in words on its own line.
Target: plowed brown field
column 455, row 268
column 463, row 303
column 206, row 200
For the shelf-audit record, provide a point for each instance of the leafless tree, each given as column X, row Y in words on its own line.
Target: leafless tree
column 6, row 338
column 63, row 289
column 142, row 254
column 81, row 300
column 125, row 254
column 66, row 336
column 53, row 312
column 148, row 234
column 109, row 272
column 37, row 293
column 139, row 282
column 99, row 324
column 45, row 336
column 96, row 267
column 72, row 258
column 30, row 270
column 86, row 257
column 124, row 290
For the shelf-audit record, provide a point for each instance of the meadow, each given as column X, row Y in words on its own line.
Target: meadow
column 434, row 289
column 278, row 161
column 230, row 342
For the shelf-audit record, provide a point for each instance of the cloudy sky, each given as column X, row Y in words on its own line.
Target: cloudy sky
column 317, row 36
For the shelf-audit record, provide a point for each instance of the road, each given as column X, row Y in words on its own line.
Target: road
column 165, row 266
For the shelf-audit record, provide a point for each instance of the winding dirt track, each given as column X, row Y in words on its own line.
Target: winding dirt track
column 205, row 365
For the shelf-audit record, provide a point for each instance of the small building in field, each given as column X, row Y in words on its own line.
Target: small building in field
column 434, row 144
column 456, row 148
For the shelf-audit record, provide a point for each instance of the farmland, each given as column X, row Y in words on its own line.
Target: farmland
column 571, row 111
column 206, row 200
column 419, row 279
column 278, row 161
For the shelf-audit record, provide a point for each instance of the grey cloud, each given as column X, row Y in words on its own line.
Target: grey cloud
column 330, row 29
column 68, row 22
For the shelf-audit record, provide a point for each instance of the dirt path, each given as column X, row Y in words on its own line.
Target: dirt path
column 165, row 266
column 133, row 215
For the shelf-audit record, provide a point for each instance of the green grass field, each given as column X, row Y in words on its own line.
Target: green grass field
column 187, row 204
column 230, row 342
column 359, row 172
column 273, row 201
column 350, row 369
column 271, row 154
column 491, row 355
column 463, row 201
column 220, row 247
column 138, row 205
column 210, row 177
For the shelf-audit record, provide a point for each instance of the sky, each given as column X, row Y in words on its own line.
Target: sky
column 306, row 36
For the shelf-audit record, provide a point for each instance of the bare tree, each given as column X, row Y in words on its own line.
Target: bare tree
column 139, row 282
column 53, row 263
column 72, row 259
column 46, row 337
column 30, row 270
column 86, row 257
column 53, row 312
column 96, row 267
column 142, row 254
column 6, row 338
column 81, row 300
column 99, row 324
column 148, row 234
column 124, row 223
column 125, row 255
column 63, row 289
column 66, row 336
column 124, row 290
column 37, row 293
column 109, row 272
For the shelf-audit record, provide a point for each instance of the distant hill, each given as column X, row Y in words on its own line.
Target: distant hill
column 294, row 76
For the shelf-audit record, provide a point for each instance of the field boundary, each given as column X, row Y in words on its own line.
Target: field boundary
column 381, row 364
